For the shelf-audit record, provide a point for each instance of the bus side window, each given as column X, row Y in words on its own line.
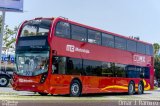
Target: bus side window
column 142, row 72
column 146, row 72
column 55, row 65
column 58, row 65
column 62, row 65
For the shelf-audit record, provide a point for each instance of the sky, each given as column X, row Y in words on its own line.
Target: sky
column 126, row 17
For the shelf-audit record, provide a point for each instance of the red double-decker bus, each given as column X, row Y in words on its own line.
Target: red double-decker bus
column 59, row 56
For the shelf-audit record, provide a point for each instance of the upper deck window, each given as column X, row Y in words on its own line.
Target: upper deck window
column 107, row 40
column 149, row 49
column 141, row 48
column 120, row 43
column 94, row 37
column 63, row 29
column 36, row 28
column 79, row 33
column 131, row 45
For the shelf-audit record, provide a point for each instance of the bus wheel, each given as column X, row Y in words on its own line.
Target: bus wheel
column 4, row 81
column 140, row 88
column 75, row 88
column 131, row 88
column 43, row 94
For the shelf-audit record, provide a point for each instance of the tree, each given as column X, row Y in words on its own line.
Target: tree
column 157, row 60
column 9, row 37
column 156, row 48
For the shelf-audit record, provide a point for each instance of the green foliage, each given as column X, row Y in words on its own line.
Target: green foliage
column 157, row 60
column 9, row 36
column 157, row 69
column 156, row 48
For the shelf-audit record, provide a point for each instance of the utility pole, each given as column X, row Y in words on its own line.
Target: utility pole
column 1, row 34
column 8, row 6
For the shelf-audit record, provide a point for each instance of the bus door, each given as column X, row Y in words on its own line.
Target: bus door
column 58, row 81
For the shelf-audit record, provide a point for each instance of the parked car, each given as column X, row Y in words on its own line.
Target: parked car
column 156, row 83
column 5, row 75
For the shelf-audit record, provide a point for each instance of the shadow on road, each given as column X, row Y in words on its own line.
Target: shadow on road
column 156, row 90
column 89, row 95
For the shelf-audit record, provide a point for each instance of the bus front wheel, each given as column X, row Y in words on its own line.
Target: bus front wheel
column 131, row 88
column 75, row 88
column 4, row 81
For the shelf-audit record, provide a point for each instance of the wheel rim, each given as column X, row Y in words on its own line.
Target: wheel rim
column 75, row 89
column 3, row 81
column 131, row 88
column 140, row 88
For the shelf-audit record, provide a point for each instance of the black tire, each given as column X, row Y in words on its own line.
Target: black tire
column 131, row 88
column 4, row 81
column 75, row 88
column 140, row 88
column 43, row 94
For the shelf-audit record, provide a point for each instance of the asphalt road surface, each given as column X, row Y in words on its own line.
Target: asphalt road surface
column 9, row 97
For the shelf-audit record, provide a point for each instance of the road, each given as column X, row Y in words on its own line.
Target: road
column 9, row 97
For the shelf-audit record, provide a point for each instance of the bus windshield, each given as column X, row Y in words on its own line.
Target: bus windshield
column 32, row 64
column 36, row 28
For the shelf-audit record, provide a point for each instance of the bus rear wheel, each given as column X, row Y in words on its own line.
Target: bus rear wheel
column 75, row 88
column 140, row 88
column 131, row 88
